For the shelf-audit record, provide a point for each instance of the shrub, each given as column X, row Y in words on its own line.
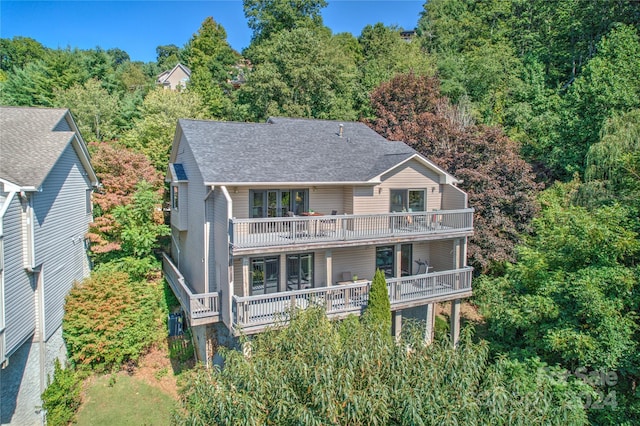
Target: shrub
column 110, row 319
column 378, row 312
column 61, row 399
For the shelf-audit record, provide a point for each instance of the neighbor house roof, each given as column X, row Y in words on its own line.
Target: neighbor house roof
column 292, row 150
column 32, row 140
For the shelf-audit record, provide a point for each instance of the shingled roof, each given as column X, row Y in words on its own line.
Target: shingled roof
column 31, row 141
column 291, row 150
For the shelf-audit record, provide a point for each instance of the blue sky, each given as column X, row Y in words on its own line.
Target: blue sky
column 138, row 27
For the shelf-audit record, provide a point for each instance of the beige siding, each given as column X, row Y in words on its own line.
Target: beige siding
column 240, row 200
column 453, row 198
column 413, row 175
column 358, row 261
column 347, row 199
column 441, row 256
column 326, row 199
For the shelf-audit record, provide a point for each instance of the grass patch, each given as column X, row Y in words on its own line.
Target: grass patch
column 124, row 401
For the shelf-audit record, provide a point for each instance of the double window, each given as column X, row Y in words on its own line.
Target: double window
column 278, row 202
column 407, row 200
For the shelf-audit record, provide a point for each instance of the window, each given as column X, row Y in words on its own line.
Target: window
column 277, row 202
column 411, row 200
column 265, row 275
column 385, row 260
column 299, row 271
column 174, row 197
column 88, row 203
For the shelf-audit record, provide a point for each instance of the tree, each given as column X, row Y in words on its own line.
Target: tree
column 153, row 133
column 285, row 82
column 167, row 56
column 345, row 374
column 94, row 109
column 499, row 183
column 110, row 320
column 19, row 51
column 378, row 311
column 609, row 84
column 119, row 170
column 268, row 17
column 211, row 59
column 571, row 298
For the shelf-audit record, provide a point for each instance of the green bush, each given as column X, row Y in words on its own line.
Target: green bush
column 378, row 311
column 61, row 399
column 110, row 319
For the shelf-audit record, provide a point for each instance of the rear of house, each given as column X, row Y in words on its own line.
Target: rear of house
column 293, row 212
column 46, row 182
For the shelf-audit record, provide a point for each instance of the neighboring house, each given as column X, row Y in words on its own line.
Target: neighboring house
column 295, row 211
column 176, row 78
column 46, row 181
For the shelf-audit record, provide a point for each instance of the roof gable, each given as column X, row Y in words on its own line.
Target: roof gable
column 31, row 142
column 285, row 150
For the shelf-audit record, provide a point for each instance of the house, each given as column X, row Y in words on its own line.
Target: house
column 175, row 78
column 46, row 182
column 266, row 216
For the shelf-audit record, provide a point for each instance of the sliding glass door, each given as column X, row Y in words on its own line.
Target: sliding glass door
column 265, row 275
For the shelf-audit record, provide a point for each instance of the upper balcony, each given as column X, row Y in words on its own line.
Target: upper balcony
column 314, row 230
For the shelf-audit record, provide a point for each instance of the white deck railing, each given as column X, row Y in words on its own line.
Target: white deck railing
column 196, row 306
column 283, row 231
column 257, row 312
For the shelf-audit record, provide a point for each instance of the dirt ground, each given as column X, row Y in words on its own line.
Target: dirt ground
column 155, row 369
column 468, row 311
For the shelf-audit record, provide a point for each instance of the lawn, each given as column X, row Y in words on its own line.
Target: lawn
column 124, row 400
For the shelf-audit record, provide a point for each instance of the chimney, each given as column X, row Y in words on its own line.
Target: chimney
column 340, row 130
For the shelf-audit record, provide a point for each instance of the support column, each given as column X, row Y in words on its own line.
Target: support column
column 246, row 276
column 396, row 323
column 455, row 322
column 398, row 260
column 328, row 261
column 429, row 331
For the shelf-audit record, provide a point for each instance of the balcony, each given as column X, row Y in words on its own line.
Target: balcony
column 201, row 308
column 253, row 314
column 335, row 230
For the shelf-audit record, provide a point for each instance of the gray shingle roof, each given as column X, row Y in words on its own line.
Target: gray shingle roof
column 290, row 150
column 29, row 146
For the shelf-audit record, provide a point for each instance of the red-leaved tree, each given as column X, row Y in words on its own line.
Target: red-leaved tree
column 119, row 170
column 499, row 183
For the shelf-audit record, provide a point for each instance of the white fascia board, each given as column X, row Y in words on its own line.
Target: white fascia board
column 276, row 184
column 81, row 149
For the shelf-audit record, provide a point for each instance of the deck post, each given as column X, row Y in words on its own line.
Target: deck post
column 329, row 267
column 396, row 323
column 455, row 322
column 430, row 323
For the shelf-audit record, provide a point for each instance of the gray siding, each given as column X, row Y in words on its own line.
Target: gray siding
column 61, row 222
column 19, row 285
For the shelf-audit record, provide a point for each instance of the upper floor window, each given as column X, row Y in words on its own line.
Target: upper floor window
column 87, row 200
column 278, row 202
column 174, row 197
column 408, row 200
